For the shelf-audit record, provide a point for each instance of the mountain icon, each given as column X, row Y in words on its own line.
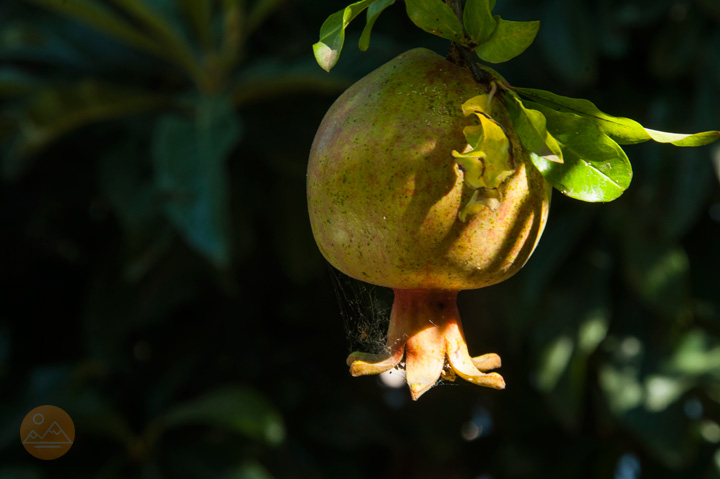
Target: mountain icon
column 52, row 435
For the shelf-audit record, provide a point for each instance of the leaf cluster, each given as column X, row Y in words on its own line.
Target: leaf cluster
column 571, row 142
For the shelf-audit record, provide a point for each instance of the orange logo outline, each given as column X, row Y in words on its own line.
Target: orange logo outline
column 47, row 432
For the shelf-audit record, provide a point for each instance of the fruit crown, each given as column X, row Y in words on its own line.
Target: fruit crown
column 571, row 142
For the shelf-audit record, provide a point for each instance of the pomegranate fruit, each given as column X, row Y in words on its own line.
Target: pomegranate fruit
column 385, row 195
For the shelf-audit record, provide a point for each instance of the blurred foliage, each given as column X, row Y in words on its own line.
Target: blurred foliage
column 161, row 283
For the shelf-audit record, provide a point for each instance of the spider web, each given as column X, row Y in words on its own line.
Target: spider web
column 365, row 311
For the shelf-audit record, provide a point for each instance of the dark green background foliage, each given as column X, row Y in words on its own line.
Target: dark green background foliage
column 161, row 284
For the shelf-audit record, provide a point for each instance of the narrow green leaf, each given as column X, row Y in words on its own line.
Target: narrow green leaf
column 478, row 20
column 373, row 12
column 332, row 34
column 237, row 409
column 435, row 17
column 623, row 130
column 595, row 168
column 508, row 40
column 189, row 158
column 682, row 139
column 530, row 126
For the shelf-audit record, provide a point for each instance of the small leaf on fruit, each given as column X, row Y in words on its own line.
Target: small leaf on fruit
column 486, row 161
column 435, row 17
column 476, row 104
column 332, row 34
column 472, row 167
column 482, row 198
column 508, row 40
column 478, row 20
column 373, row 12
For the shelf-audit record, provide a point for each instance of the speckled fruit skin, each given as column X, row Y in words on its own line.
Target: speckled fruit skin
column 384, row 190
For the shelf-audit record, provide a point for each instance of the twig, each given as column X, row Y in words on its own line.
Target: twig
column 462, row 55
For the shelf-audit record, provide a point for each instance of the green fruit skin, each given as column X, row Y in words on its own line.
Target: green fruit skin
column 384, row 191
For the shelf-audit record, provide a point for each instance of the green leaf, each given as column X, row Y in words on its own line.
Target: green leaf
column 237, row 409
column 189, row 157
column 683, row 139
column 373, row 12
column 435, row 17
column 332, row 34
column 595, row 168
column 623, row 130
column 530, row 126
column 478, row 20
column 508, row 40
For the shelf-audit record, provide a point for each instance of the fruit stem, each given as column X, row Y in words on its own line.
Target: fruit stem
column 461, row 55
column 426, row 330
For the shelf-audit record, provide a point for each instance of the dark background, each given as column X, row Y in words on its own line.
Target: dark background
column 159, row 280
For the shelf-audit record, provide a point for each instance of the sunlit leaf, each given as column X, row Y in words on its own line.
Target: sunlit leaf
column 623, row 130
column 485, row 160
column 595, row 168
column 684, row 139
column 332, row 34
column 508, row 40
column 435, row 17
column 530, row 126
column 373, row 12
column 478, row 20
column 238, row 409
column 486, row 163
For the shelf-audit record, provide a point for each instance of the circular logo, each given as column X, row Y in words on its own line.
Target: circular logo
column 47, row 432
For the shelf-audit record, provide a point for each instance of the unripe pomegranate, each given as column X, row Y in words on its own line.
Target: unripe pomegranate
column 384, row 197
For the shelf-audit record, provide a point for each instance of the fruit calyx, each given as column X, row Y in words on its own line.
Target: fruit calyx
column 425, row 330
